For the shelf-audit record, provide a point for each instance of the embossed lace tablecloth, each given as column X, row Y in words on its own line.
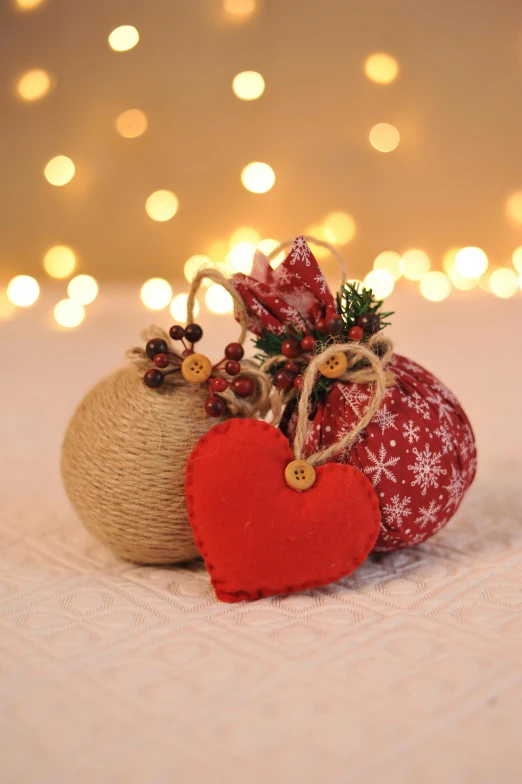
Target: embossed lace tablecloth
column 408, row 671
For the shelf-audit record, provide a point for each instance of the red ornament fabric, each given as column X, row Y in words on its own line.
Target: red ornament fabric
column 418, row 451
column 260, row 537
column 295, row 292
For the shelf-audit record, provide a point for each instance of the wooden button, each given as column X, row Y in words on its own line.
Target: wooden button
column 299, row 475
column 196, row 368
column 335, row 366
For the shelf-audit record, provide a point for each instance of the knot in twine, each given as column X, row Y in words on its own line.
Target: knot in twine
column 377, row 354
column 258, row 404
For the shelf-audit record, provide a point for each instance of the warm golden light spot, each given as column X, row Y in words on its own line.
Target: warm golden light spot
column 517, row 259
column 318, row 231
column 241, row 257
column 514, row 207
column 460, row 281
column 194, row 264
column 258, row 177
column 123, row 38
column 131, row 123
column 7, row 308
column 384, row 137
column 435, row 286
column 59, row 171
column 178, row 308
column 23, row 291
column 83, row 289
column 504, row 282
column 69, row 313
column 218, row 300
column 28, row 5
column 483, row 282
column 415, row 264
column 218, row 250
column 381, row 68
column 59, row 261
column 381, row 282
column 248, row 85
column 245, row 234
column 266, row 246
column 33, row 85
column 339, row 228
column 156, row 293
column 162, row 205
column 390, row 261
column 471, row 262
column 448, row 259
column 239, row 10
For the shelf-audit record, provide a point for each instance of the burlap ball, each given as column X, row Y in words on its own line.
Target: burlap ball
column 123, row 465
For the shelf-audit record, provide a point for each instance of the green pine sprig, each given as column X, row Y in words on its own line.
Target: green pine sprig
column 352, row 302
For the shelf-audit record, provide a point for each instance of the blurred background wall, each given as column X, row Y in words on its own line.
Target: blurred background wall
column 384, row 126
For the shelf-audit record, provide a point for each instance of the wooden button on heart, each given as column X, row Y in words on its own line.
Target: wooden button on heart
column 334, row 366
column 299, row 474
column 196, row 368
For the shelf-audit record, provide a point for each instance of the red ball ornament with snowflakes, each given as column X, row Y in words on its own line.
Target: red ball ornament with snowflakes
column 418, row 450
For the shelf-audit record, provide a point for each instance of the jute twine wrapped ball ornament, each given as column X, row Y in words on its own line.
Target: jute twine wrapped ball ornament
column 126, row 446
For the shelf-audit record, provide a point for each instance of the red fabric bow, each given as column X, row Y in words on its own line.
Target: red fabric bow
column 295, row 293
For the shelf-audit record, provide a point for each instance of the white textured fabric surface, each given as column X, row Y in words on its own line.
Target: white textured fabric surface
column 408, row 671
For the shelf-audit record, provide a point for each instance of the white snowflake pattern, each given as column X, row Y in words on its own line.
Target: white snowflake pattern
column 455, row 488
column 444, row 409
column 419, row 405
column 293, row 317
column 439, row 525
column 380, row 466
column 446, row 439
column 283, row 275
column 343, row 431
column 255, row 325
column 354, row 396
column 444, row 391
column 257, row 308
column 412, row 366
column 385, row 419
column 427, row 514
column 467, row 444
column 396, row 510
column 319, row 279
column 427, row 469
column 311, row 441
column 472, row 467
column 300, row 252
column 411, row 431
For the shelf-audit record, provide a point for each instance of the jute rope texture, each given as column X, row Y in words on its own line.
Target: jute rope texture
column 374, row 374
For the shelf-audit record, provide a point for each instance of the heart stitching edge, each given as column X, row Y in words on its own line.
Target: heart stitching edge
column 261, row 593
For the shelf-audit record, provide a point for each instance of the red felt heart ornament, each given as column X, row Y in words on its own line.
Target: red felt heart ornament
column 258, row 536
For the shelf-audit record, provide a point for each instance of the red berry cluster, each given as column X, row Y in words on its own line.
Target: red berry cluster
column 290, row 375
column 157, row 350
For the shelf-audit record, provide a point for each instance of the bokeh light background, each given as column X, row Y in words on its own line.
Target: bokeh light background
column 141, row 140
